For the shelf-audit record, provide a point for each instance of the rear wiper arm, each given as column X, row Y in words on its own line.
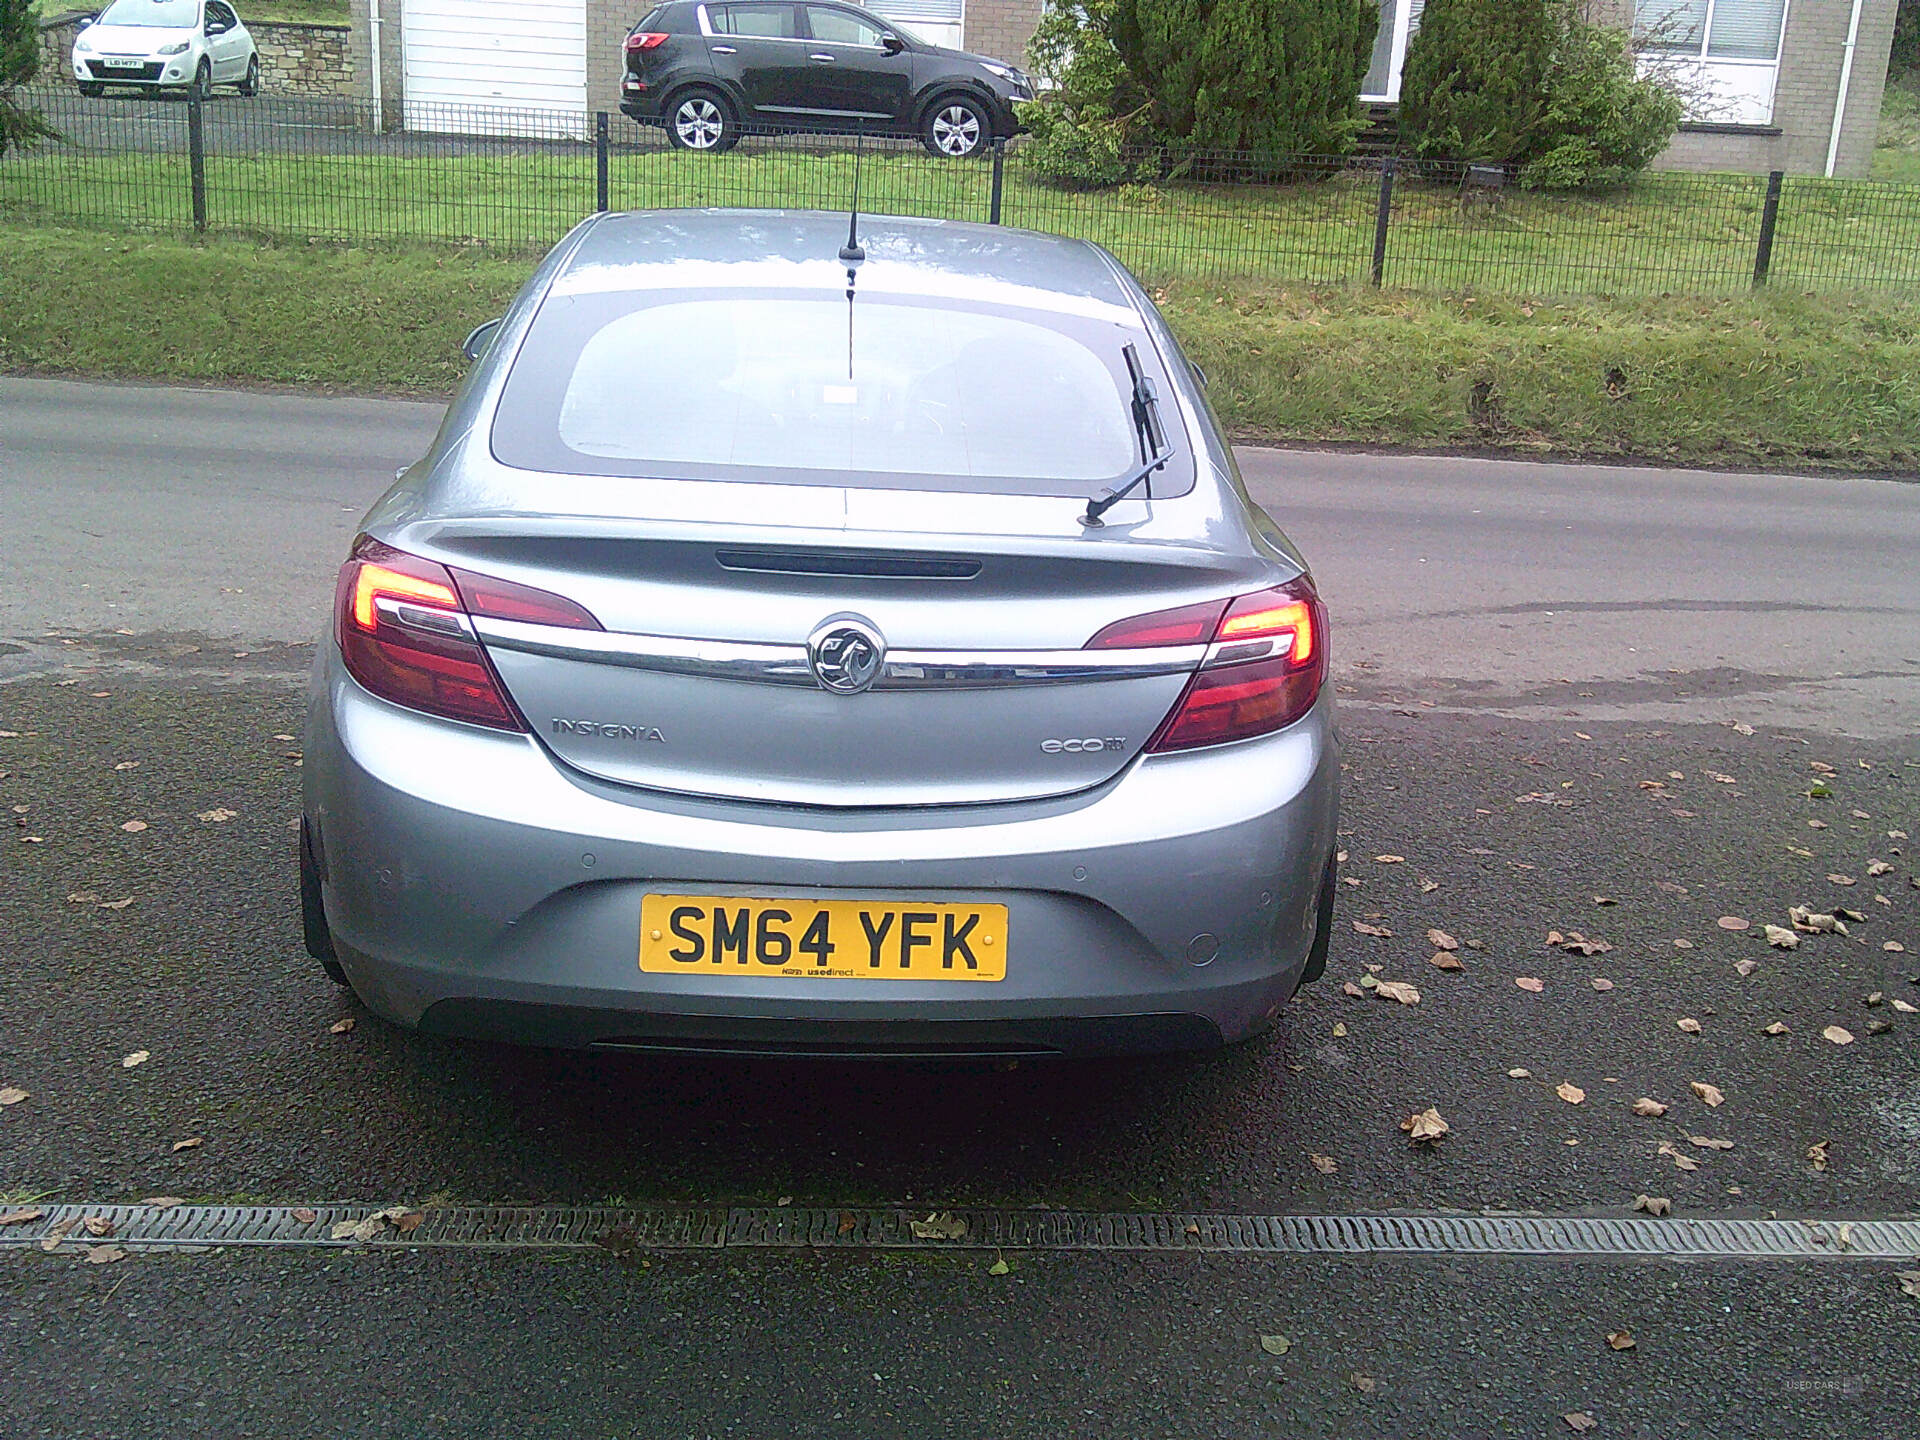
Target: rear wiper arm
column 1114, row 494
column 1146, row 429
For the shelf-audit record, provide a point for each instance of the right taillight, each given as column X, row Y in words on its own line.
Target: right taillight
column 405, row 633
column 1263, row 670
column 645, row 40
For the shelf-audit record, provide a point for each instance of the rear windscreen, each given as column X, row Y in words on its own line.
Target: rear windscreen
column 809, row 389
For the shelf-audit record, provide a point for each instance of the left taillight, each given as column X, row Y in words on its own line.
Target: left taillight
column 1266, row 660
column 405, row 630
column 645, row 40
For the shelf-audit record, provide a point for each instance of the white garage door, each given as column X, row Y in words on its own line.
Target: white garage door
column 938, row 22
column 472, row 64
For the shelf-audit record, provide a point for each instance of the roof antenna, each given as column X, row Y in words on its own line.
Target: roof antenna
column 850, row 253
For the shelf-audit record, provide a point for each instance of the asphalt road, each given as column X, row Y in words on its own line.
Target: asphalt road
column 1541, row 666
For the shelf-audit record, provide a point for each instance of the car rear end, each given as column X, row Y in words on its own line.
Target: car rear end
column 777, row 764
column 666, row 48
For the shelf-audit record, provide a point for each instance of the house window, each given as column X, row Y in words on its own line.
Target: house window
column 1722, row 56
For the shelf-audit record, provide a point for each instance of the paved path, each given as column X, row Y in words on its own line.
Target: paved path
column 1525, row 651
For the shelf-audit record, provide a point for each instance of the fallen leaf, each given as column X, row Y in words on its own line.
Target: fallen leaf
column 1579, row 1421
column 304, row 1215
column 1731, row 922
column 1709, row 1093
column 216, row 817
column 1325, row 1164
column 1842, row 879
column 1679, row 1157
column 138, row 1057
column 1605, row 900
column 83, row 897
column 1441, row 960
column 1816, row 824
column 1707, row 1142
column 128, row 765
column 1621, row 1340
column 104, row 1254
column 1389, row 859
column 1570, row 1093
column 60, row 1230
column 408, row 1223
column 1817, row 1155
column 1349, row 988
column 1904, row 1008
column 1519, row 1074
column 1653, row 1204
column 1683, row 945
column 1874, row 998
column 1689, row 1024
column 1782, row 938
column 1778, row 1027
column 192, row 1142
column 1363, row 1383
column 1744, row 968
column 342, row 1026
column 1879, row 1027
column 1275, row 1344
column 21, row 1217
column 134, row 827
column 1602, row 984
column 846, row 1224
column 1379, row 932
column 13, row 1095
column 1837, row 1035
column 943, row 1226
column 1647, row 1105
column 1909, row 1282
column 98, row 1226
column 1426, row 1126
column 1339, row 1030
column 1000, row 1267
column 162, row 1202
column 1878, row 867
column 1528, row 982
column 1397, row 990
column 1894, row 947
column 1369, row 980
column 1427, row 887
column 116, row 904
column 1440, row 940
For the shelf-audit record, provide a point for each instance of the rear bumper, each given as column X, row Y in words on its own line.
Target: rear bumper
column 475, row 887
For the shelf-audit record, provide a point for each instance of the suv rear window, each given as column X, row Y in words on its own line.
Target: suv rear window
column 772, row 22
column 799, row 388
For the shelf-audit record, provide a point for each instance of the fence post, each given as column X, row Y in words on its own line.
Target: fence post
column 600, row 160
column 197, row 158
column 1381, row 219
column 1763, row 257
column 999, row 175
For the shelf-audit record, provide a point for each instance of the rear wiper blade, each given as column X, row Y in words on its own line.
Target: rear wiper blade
column 1147, row 430
column 1114, row 494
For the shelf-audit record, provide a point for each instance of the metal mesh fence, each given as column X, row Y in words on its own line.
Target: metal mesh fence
column 517, row 180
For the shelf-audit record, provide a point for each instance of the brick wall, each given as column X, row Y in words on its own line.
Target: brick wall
column 1001, row 28
column 392, row 60
column 294, row 59
column 608, row 22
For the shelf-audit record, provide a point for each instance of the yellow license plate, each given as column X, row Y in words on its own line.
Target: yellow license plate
column 821, row 939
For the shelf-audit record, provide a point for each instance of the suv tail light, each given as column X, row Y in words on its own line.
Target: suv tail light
column 645, row 40
column 1263, row 670
column 405, row 632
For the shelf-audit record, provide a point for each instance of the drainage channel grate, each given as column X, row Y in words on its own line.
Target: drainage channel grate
column 505, row 1227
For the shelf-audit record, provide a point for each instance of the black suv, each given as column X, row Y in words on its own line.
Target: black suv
column 708, row 71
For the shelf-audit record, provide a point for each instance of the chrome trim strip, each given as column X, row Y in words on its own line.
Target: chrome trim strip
column 787, row 664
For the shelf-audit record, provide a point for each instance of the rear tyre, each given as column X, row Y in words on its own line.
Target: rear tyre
column 313, row 914
column 1316, row 965
column 92, row 89
column 250, row 86
column 956, row 128
column 702, row 120
column 202, row 86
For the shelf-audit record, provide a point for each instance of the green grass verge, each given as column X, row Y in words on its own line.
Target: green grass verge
column 1896, row 153
column 1669, row 233
column 1787, row 380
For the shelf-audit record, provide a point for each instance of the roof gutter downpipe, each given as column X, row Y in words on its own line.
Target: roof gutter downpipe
column 1846, row 83
column 379, row 108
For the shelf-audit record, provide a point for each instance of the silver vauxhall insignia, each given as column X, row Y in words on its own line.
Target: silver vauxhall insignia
column 794, row 650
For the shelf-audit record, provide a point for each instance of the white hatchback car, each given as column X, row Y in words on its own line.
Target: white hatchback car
column 158, row 44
